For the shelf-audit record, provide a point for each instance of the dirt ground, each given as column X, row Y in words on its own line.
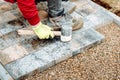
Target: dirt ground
column 102, row 62
column 112, row 5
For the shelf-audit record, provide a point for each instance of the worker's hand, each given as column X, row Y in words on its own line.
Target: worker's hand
column 43, row 31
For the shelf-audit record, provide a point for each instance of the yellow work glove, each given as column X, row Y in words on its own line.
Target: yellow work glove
column 43, row 31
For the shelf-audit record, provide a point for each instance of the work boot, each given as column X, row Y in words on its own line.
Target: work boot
column 77, row 23
column 56, row 14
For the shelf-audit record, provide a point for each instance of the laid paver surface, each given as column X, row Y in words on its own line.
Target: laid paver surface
column 53, row 53
column 98, row 63
column 22, row 55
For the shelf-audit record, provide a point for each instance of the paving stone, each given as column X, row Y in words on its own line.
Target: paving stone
column 3, row 43
column 1, row 19
column 44, row 57
column 59, row 51
column 0, row 34
column 4, row 75
column 24, row 66
column 5, row 7
column 87, row 24
column 13, row 38
column 80, row 3
column 116, row 18
column 9, row 28
column 68, row 6
column 26, row 41
column 85, row 39
column 34, row 44
column 31, row 45
column 12, row 53
column 2, row 26
column 6, row 17
column 100, row 18
column 85, row 10
column 75, row 46
column 96, row 6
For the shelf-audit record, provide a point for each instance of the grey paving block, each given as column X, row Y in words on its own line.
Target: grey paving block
column 6, row 17
column 12, row 53
column 34, row 44
column 4, row 75
column 44, row 57
column 116, row 18
column 7, row 5
column 59, row 51
column 0, row 34
column 87, row 24
column 80, row 3
column 85, row 39
column 24, row 66
column 2, row 26
column 85, row 10
column 9, row 28
column 13, row 38
column 100, row 18
column 68, row 6
column 3, row 43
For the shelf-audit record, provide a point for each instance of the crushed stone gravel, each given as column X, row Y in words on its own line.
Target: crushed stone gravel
column 101, row 62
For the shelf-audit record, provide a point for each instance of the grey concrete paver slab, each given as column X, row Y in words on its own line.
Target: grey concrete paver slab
column 115, row 18
column 85, row 39
column 12, row 53
column 85, row 10
column 99, row 18
column 4, row 75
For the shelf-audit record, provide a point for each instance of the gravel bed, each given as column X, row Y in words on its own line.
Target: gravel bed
column 102, row 62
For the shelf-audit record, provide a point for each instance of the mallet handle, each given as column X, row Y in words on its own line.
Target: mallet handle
column 30, row 32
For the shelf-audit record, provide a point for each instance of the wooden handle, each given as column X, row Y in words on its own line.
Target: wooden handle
column 30, row 32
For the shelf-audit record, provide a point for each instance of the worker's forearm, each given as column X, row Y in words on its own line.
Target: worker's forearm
column 28, row 9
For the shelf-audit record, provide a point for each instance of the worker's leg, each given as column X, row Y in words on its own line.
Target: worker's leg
column 55, row 8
